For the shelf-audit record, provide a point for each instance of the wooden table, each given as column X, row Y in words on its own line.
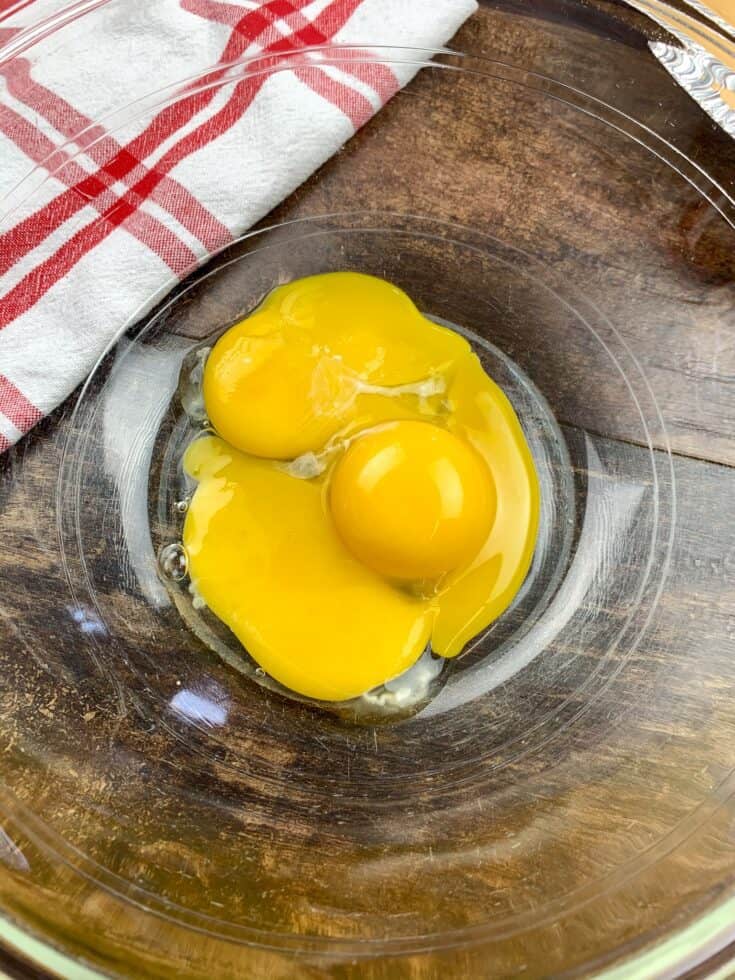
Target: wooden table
column 598, row 46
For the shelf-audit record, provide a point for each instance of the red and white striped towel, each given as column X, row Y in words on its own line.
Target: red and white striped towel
column 103, row 209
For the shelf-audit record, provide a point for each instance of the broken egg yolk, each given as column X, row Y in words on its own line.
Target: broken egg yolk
column 369, row 490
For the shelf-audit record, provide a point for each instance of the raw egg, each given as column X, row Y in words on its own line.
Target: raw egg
column 369, row 490
column 412, row 501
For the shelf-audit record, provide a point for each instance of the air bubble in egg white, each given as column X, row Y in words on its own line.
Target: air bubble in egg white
column 174, row 562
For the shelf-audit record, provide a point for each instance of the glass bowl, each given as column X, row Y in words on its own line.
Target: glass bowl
column 556, row 802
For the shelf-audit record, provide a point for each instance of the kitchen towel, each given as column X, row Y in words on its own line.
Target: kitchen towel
column 117, row 178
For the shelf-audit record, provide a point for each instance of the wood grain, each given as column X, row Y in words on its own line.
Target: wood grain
column 657, row 743
column 646, row 249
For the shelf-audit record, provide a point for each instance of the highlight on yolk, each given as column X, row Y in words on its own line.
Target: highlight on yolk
column 369, row 490
column 412, row 501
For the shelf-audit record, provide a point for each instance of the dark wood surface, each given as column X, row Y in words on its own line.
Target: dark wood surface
column 677, row 319
column 689, row 313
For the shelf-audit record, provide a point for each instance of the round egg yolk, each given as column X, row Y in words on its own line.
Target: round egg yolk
column 412, row 501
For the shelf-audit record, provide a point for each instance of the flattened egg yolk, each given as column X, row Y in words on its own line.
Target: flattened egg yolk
column 268, row 562
column 412, row 501
column 418, row 522
column 317, row 355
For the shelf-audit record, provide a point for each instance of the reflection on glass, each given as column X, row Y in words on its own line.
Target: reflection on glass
column 210, row 709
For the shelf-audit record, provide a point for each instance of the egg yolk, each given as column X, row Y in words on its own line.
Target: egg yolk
column 269, row 563
column 369, row 489
column 318, row 355
column 412, row 501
